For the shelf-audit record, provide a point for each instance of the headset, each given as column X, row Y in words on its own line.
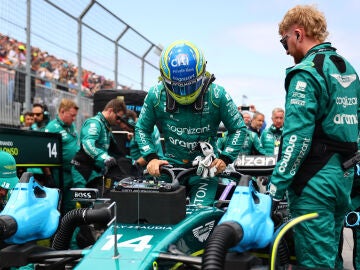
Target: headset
column 44, row 109
column 46, row 112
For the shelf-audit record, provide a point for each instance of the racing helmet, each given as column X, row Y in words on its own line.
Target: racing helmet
column 182, row 68
column 8, row 177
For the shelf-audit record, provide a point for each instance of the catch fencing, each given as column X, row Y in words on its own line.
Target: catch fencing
column 12, row 98
column 86, row 35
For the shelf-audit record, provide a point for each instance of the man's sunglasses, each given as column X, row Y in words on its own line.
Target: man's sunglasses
column 121, row 118
column 37, row 114
column 283, row 41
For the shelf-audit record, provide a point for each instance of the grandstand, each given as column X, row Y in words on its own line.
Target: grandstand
column 83, row 55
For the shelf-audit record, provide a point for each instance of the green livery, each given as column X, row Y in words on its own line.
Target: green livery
column 139, row 245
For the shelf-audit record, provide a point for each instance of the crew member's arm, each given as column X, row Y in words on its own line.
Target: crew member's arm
column 91, row 132
column 301, row 111
column 235, row 126
column 143, row 130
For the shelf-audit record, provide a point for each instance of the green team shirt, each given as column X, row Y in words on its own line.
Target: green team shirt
column 69, row 136
column 333, row 99
column 270, row 140
column 184, row 128
column 95, row 138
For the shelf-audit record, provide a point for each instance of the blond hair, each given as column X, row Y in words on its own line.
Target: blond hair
column 67, row 104
column 308, row 17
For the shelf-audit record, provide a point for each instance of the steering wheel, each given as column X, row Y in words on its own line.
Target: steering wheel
column 143, row 183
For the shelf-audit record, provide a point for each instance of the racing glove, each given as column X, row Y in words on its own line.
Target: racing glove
column 204, row 163
column 110, row 162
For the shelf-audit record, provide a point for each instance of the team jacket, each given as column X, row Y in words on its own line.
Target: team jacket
column 95, row 137
column 270, row 139
column 323, row 89
column 69, row 136
column 184, row 128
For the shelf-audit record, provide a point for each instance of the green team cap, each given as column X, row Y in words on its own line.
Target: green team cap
column 8, row 176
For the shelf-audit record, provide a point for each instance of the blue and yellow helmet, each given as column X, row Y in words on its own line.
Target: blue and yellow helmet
column 182, row 67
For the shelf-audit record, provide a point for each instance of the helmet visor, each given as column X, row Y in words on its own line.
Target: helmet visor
column 184, row 88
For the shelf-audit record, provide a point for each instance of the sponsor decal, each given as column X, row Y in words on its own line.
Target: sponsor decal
column 92, row 148
column 188, row 130
column 233, row 111
column 84, row 194
column 236, row 138
column 297, row 102
column 345, row 80
column 254, row 161
column 202, row 232
column 229, row 149
column 78, row 195
column 145, row 227
column 206, row 107
column 300, row 86
column 216, row 91
column 181, row 59
column 346, row 101
column 188, row 145
column 349, row 119
column 298, row 95
column 301, row 155
column 287, row 154
column 92, row 129
column 200, row 193
column 142, row 137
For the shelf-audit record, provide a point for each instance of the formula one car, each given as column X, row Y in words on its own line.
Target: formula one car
column 148, row 224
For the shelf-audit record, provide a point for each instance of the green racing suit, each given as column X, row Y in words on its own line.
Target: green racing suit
column 134, row 148
column 320, row 133
column 95, row 140
column 251, row 146
column 184, row 128
column 70, row 145
column 270, row 140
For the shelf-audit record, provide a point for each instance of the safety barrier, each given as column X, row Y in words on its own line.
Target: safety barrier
column 12, row 99
column 9, row 110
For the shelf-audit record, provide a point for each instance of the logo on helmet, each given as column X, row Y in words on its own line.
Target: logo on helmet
column 180, row 60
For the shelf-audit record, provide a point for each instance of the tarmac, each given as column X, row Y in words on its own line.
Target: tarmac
column 348, row 249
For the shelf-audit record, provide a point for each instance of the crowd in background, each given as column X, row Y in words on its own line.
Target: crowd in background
column 49, row 70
